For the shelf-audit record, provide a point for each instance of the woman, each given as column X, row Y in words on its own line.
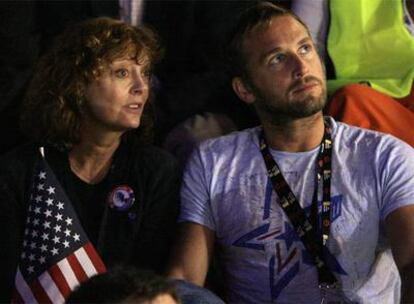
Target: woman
column 87, row 111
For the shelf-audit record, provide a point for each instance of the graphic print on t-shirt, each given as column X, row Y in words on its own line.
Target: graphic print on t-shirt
column 287, row 251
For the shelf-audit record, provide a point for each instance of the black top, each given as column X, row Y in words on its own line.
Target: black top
column 90, row 204
column 139, row 236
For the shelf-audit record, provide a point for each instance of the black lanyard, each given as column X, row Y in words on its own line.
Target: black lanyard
column 306, row 227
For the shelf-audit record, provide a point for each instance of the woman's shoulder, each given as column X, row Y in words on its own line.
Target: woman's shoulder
column 19, row 158
column 157, row 160
column 17, row 167
column 148, row 158
column 157, row 154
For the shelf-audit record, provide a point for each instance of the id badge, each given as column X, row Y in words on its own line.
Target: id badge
column 329, row 289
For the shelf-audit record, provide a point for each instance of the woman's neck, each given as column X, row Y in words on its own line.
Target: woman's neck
column 91, row 160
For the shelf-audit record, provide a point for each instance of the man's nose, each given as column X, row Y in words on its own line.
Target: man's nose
column 300, row 67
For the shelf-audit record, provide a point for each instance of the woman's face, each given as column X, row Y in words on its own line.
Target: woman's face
column 116, row 99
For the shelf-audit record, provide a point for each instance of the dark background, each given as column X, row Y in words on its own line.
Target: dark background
column 192, row 78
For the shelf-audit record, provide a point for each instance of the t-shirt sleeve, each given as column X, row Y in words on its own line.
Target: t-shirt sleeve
column 195, row 191
column 396, row 173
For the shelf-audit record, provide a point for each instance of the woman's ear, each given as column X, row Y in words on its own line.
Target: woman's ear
column 242, row 90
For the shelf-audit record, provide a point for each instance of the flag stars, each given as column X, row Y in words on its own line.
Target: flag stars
column 57, row 228
column 51, row 190
column 67, row 232
column 56, row 239
column 51, row 231
column 68, row 221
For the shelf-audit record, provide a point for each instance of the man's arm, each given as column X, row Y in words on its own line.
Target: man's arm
column 400, row 230
column 192, row 253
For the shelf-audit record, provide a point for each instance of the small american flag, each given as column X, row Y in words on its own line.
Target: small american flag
column 57, row 255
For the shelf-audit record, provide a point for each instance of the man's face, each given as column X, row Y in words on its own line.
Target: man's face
column 285, row 76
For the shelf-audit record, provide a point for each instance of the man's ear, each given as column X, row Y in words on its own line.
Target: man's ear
column 242, row 90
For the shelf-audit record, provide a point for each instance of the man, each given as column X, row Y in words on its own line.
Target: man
column 339, row 229
column 372, row 85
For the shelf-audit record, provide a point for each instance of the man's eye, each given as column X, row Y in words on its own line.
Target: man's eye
column 121, row 73
column 304, row 49
column 278, row 58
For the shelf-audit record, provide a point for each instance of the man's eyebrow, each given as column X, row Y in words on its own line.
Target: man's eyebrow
column 269, row 52
column 277, row 49
column 306, row 39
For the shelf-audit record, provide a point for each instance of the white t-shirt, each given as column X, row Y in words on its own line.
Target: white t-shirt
column 226, row 189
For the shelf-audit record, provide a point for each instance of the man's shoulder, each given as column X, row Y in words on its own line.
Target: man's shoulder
column 361, row 138
column 231, row 142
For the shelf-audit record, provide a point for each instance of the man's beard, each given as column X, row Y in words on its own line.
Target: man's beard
column 277, row 110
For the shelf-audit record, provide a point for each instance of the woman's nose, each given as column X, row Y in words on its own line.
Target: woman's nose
column 140, row 82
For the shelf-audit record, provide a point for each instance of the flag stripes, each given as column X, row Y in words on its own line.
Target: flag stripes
column 61, row 283
column 95, row 258
column 68, row 274
column 50, row 288
column 23, row 293
column 85, row 262
column 57, row 255
column 77, row 268
column 55, row 284
column 39, row 293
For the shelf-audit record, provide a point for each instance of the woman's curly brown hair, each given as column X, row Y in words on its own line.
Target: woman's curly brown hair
column 51, row 111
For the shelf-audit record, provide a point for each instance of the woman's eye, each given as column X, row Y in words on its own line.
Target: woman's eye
column 121, row 73
column 146, row 73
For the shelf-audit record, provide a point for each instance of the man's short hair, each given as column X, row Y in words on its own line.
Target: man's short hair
column 123, row 285
column 258, row 14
